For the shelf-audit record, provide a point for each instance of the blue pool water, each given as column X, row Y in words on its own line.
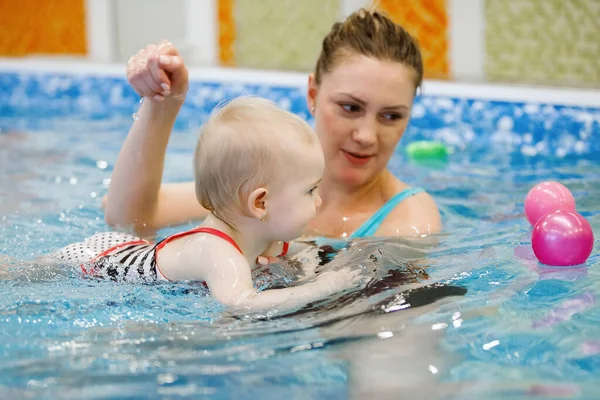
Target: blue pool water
column 472, row 316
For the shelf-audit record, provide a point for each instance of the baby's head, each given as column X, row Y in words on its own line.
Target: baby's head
column 257, row 164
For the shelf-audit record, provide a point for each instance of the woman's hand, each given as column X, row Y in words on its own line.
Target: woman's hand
column 158, row 72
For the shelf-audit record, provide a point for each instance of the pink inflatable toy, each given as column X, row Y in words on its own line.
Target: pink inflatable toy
column 562, row 238
column 545, row 197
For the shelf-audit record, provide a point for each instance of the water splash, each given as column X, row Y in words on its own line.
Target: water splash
column 135, row 114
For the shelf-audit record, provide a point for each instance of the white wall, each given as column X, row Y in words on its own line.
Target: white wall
column 466, row 37
column 140, row 22
column 202, row 27
column 100, row 26
column 349, row 6
column 117, row 29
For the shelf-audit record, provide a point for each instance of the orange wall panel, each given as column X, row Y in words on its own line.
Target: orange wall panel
column 42, row 27
column 227, row 32
column 427, row 21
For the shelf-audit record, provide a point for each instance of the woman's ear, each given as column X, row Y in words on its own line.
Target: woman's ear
column 257, row 203
column 311, row 94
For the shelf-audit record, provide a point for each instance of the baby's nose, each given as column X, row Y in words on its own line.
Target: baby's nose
column 318, row 201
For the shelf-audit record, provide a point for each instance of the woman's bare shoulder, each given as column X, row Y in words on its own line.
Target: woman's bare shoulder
column 415, row 215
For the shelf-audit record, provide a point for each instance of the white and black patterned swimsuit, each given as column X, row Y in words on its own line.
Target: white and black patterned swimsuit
column 125, row 257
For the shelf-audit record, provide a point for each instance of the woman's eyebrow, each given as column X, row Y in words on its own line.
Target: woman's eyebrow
column 356, row 99
column 362, row 102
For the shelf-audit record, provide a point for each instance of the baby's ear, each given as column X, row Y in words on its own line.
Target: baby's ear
column 257, row 203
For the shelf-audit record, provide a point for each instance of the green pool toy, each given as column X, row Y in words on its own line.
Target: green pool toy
column 427, row 150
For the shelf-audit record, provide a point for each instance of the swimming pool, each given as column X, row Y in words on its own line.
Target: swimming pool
column 502, row 326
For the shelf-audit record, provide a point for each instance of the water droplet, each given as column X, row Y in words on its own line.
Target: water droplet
column 134, row 115
column 101, row 164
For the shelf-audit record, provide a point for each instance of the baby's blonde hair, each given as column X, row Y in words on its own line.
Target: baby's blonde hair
column 241, row 148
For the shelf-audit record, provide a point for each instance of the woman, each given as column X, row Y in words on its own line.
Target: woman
column 361, row 95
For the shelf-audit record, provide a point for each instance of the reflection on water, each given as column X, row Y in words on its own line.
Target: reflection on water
column 467, row 314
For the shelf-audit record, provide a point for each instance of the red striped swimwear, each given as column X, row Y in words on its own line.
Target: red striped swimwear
column 120, row 256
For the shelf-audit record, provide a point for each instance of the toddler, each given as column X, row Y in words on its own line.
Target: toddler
column 257, row 168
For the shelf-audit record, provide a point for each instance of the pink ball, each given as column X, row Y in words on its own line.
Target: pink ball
column 562, row 238
column 545, row 197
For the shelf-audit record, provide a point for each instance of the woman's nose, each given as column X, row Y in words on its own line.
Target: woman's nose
column 366, row 133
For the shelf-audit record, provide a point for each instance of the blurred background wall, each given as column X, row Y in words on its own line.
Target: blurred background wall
column 546, row 42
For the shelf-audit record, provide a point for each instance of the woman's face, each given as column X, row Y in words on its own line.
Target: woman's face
column 362, row 108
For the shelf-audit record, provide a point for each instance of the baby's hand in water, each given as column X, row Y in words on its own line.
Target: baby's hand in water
column 271, row 253
column 341, row 279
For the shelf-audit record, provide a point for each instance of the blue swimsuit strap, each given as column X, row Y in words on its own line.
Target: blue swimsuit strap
column 372, row 224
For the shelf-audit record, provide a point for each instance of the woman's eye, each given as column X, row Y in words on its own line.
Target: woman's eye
column 392, row 116
column 350, row 108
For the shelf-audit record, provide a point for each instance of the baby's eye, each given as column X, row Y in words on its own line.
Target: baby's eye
column 312, row 191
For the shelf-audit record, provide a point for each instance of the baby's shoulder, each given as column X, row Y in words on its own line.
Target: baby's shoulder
column 189, row 257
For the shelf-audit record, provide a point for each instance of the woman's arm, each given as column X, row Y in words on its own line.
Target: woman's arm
column 136, row 200
column 135, row 197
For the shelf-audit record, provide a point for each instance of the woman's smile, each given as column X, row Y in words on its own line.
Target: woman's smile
column 357, row 158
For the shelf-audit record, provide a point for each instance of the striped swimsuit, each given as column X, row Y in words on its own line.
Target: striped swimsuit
column 123, row 257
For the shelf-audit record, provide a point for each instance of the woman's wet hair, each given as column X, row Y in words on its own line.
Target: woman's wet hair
column 370, row 34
